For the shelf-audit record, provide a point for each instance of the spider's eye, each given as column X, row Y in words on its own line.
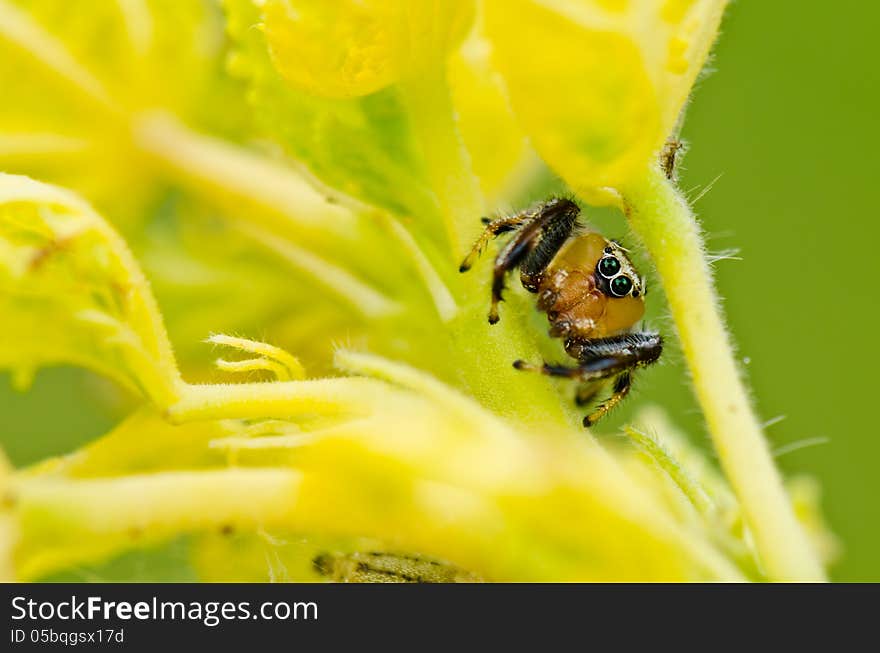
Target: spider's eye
column 620, row 286
column 609, row 266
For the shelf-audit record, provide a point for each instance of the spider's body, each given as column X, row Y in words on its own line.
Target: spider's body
column 589, row 289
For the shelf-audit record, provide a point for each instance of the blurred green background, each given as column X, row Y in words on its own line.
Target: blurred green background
column 789, row 121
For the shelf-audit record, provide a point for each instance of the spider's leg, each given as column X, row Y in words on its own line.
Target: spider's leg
column 494, row 228
column 533, row 247
column 562, row 371
column 622, row 386
column 618, row 356
column 586, row 392
column 603, row 358
column 614, row 357
column 557, row 222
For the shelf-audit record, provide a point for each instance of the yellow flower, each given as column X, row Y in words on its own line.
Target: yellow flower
column 600, row 84
column 388, row 452
column 388, row 444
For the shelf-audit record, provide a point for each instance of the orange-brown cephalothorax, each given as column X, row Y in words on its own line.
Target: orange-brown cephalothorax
column 581, row 298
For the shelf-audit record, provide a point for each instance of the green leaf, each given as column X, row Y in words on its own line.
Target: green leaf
column 360, row 146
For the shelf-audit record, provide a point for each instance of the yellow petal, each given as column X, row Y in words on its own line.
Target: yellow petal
column 349, row 49
column 332, row 49
column 498, row 148
column 599, row 84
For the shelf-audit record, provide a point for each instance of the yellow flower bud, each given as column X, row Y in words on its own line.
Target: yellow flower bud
column 599, row 84
column 349, row 48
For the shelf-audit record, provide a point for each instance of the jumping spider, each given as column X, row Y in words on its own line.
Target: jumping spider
column 589, row 289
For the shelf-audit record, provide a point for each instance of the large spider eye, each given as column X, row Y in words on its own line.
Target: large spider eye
column 620, row 286
column 609, row 266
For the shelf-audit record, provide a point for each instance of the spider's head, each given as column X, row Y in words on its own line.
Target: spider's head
column 615, row 274
column 595, row 289
column 624, row 287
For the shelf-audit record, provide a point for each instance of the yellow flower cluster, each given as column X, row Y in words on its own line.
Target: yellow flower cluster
column 310, row 171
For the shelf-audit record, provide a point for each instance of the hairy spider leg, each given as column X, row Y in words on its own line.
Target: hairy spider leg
column 622, row 386
column 601, row 359
column 541, row 234
column 565, row 372
column 591, row 387
column 494, row 228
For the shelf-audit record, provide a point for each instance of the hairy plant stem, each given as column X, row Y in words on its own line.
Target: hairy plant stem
column 666, row 225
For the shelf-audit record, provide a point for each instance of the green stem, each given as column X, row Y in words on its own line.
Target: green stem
column 214, row 167
column 664, row 221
